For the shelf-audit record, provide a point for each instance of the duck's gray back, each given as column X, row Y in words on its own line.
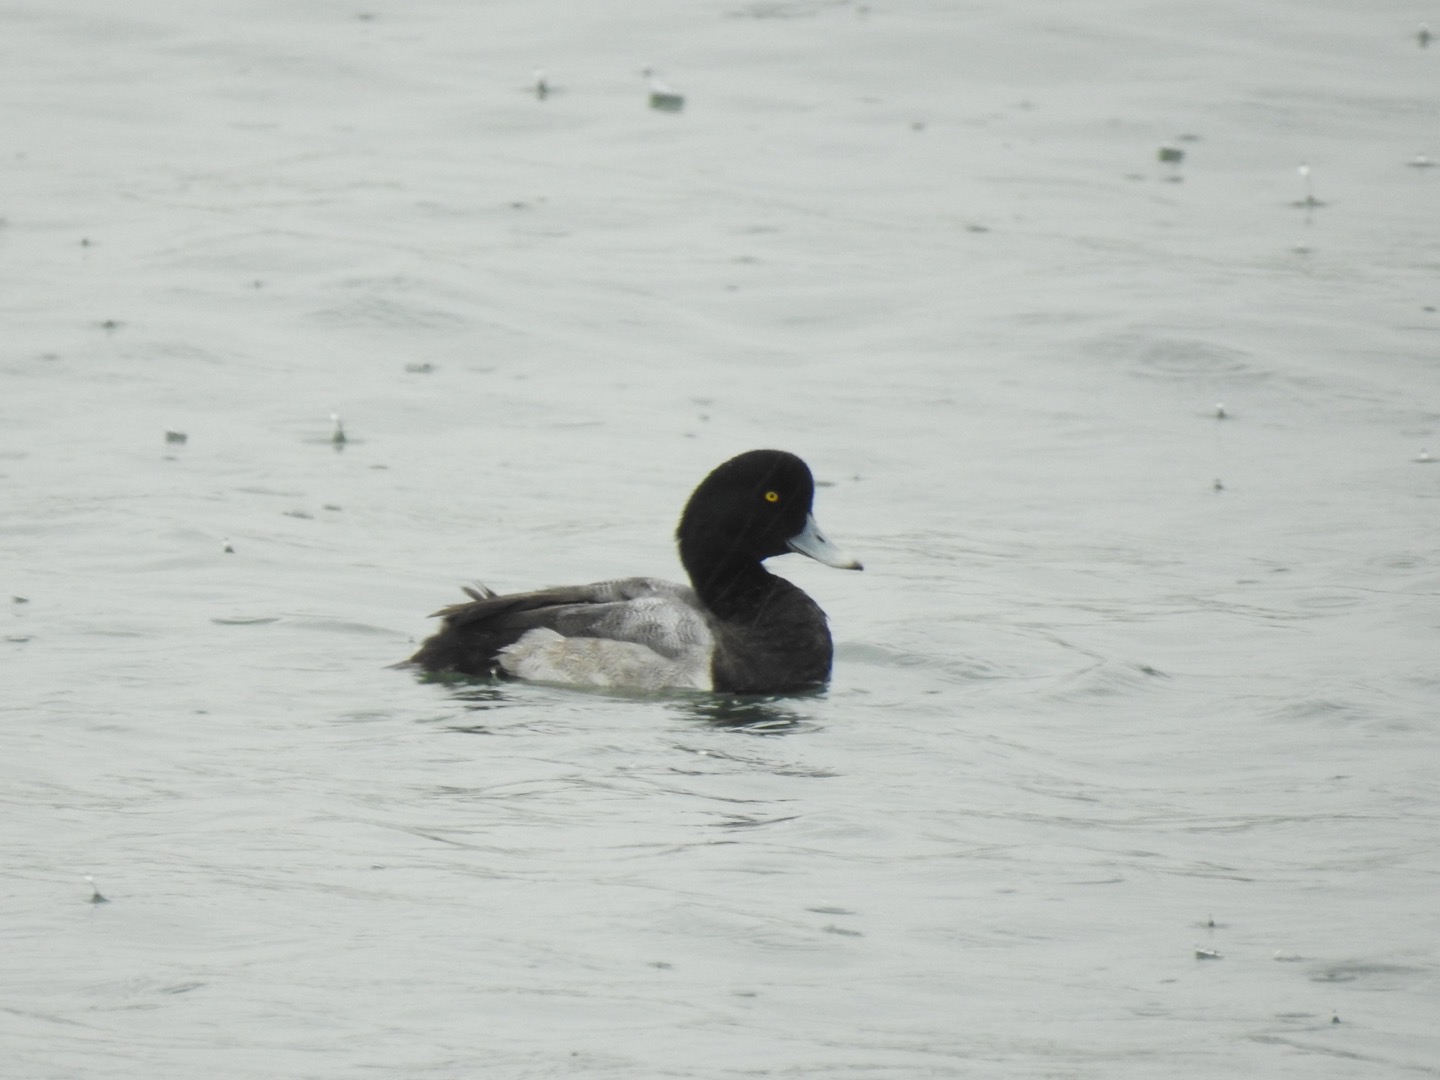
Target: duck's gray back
column 642, row 633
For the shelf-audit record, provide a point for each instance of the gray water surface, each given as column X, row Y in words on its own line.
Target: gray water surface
column 1128, row 768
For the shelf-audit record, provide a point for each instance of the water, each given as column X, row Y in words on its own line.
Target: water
column 1126, row 683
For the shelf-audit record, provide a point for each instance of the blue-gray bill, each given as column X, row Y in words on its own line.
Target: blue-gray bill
column 812, row 542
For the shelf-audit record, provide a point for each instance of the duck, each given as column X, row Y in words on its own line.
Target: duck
column 736, row 628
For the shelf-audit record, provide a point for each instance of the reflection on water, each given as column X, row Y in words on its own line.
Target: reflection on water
column 479, row 697
column 752, row 715
column 471, row 696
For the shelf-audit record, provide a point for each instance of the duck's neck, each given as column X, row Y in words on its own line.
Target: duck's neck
column 731, row 586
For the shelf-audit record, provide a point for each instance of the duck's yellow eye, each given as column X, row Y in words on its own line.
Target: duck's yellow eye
column 772, row 496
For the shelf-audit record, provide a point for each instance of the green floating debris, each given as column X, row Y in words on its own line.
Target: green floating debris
column 661, row 96
column 95, row 894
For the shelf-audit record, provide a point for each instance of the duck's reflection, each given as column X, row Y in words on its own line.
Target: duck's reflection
column 752, row 714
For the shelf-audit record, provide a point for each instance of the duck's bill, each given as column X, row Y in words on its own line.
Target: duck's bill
column 812, row 542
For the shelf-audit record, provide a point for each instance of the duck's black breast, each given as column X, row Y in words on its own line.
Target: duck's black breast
column 779, row 644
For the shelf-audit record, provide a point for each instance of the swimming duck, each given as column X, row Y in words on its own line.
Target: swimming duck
column 736, row 628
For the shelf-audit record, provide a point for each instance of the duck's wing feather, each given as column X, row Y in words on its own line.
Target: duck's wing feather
column 657, row 615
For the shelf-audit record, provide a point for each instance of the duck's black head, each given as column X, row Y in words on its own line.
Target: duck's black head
column 752, row 507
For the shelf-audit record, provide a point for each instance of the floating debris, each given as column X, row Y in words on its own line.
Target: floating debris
column 177, row 437
column 1309, row 202
column 662, row 97
column 424, row 368
column 1171, row 157
column 95, row 895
